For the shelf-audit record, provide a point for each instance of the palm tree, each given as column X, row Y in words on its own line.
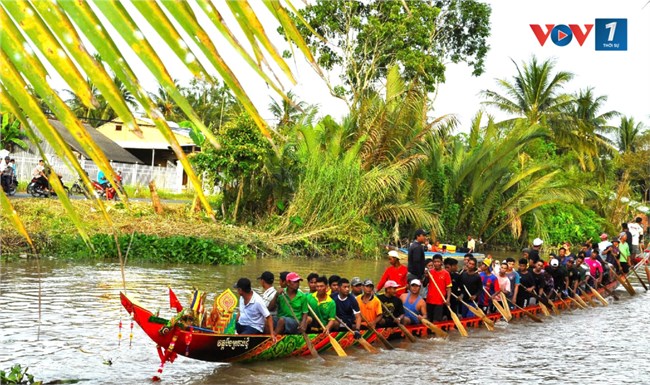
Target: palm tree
column 535, row 93
column 288, row 110
column 627, row 134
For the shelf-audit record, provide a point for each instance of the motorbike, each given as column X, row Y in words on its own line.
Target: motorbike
column 78, row 188
column 109, row 192
column 36, row 189
column 10, row 188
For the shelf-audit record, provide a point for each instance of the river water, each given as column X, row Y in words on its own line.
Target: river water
column 77, row 334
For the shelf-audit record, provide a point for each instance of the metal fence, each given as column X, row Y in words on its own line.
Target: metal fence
column 167, row 178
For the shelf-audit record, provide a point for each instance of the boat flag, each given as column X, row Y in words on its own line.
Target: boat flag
column 174, row 302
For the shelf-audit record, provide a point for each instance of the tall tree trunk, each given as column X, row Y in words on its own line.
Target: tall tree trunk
column 239, row 194
column 157, row 206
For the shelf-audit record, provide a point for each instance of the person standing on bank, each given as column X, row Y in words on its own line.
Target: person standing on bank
column 253, row 314
column 395, row 272
column 416, row 256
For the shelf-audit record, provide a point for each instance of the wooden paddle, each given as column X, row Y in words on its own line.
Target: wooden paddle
column 506, row 307
column 576, row 302
column 556, row 311
column 401, row 327
column 640, row 280
column 497, row 305
column 335, row 344
column 566, row 305
column 380, row 337
column 576, row 298
column 625, row 282
column 541, row 304
column 312, row 350
column 434, row 328
column 489, row 324
column 598, row 296
column 459, row 325
column 529, row 314
column 362, row 341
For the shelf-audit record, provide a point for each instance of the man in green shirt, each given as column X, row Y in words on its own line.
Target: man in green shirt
column 323, row 306
column 624, row 253
column 292, row 307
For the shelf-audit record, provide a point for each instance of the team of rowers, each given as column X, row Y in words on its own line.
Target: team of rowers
column 432, row 293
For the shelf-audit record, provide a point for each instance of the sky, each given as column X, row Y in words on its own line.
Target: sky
column 623, row 76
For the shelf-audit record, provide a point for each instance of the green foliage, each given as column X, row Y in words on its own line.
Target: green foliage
column 11, row 135
column 17, row 376
column 151, row 248
column 571, row 222
column 372, row 36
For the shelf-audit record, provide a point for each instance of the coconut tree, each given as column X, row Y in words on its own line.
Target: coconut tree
column 535, row 92
column 627, row 134
column 11, row 135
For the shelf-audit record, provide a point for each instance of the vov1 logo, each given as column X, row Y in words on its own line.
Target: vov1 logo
column 611, row 34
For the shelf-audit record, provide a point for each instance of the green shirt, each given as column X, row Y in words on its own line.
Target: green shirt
column 298, row 304
column 325, row 310
column 624, row 249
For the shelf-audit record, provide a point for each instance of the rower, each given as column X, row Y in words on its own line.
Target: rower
column 513, row 276
column 347, row 307
column 252, row 315
column 624, row 252
column 490, row 283
column 583, row 269
column 595, row 267
column 269, row 295
column 526, row 285
column 413, row 302
column 392, row 304
column 396, row 272
column 324, row 306
column 311, row 281
column 539, row 277
column 428, row 263
column 559, row 274
column 573, row 275
column 334, row 284
column 451, row 265
column 504, row 281
column 356, row 287
column 470, row 281
column 369, row 304
column 436, row 303
column 286, row 319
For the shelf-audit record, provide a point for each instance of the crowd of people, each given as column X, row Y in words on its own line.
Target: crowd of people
column 432, row 288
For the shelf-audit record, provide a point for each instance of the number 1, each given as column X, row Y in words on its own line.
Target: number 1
column 612, row 30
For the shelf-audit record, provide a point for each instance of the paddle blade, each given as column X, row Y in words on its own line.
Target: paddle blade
column 337, row 347
column 366, row 345
column 533, row 316
column 310, row 346
column 599, row 297
column 544, row 309
column 506, row 307
column 459, row 325
column 383, row 340
column 500, row 309
column 435, row 329
column 407, row 333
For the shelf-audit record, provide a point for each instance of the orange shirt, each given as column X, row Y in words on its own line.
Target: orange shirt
column 370, row 310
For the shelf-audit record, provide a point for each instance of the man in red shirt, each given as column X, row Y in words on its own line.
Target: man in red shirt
column 395, row 272
column 438, row 298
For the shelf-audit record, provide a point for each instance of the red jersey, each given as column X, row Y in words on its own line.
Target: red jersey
column 443, row 280
column 397, row 274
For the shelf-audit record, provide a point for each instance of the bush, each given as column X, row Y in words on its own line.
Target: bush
column 571, row 222
column 151, row 248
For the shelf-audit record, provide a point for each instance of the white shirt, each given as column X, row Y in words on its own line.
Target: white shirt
column 254, row 313
column 471, row 244
column 602, row 246
column 268, row 296
column 636, row 231
column 38, row 170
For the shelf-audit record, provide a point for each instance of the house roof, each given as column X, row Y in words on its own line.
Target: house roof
column 112, row 150
column 151, row 137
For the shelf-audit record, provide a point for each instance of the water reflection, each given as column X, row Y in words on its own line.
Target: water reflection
column 81, row 312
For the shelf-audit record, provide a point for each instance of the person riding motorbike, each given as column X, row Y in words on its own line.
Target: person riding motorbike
column 7, row 174
column 39, row 174
column 103, row 181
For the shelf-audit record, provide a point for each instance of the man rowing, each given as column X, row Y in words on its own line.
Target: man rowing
column 439, row 290
column 347, row 307
column 470, row 282
column 369, row 304
column 527, row 285
column 413, row 302
column 324, row 306
column 293, row 314
column 253, row 315
column 451, row 265
column 392, row 305
column 491, row 285
column 513, row 276
column 356, row 287
column 269, row 295
column 396, row 272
